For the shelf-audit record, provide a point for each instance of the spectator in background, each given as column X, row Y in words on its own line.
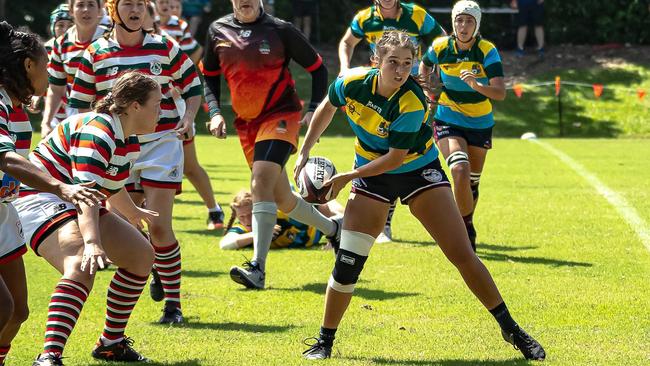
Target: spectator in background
column 530, row 12
column 193, row 11
column 303, row 13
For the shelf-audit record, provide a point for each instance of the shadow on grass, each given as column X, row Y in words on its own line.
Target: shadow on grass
column 365, row 293
column 238, row 327
column 389, row 361
column 204, row 232
column 531, row 260
column 154, row 363
column 200, row 274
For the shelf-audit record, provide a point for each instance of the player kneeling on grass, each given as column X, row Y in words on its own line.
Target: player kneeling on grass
column 395, row 158
column 23, row 74
column 288, row 233
column 99, row 147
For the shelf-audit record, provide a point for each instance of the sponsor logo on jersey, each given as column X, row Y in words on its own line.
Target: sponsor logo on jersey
column 352, row 109
column 432, row 175
column 155, row 67
column 245, row 33
column 373, row 106
column 112, row 170
column 113, row 71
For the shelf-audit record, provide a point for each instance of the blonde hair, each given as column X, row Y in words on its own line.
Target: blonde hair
column 243, row 198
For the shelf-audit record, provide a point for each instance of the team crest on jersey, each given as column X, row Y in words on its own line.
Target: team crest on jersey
column 382, row 129
column 432, row 175
column 265, row 47
column 245, row 33
column 282, row 127
column 155, row 67
column 476, row 69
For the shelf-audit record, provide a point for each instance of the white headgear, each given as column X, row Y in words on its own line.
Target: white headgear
column 467, row 7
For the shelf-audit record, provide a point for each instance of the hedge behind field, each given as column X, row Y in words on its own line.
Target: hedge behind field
column 568, row 21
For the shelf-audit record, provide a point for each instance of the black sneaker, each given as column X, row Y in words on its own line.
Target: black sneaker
column 215, row 220
column 172, row 315
column 249, row 275
column 335, row 240
column 317, row 350
column 156, row 290
column 50, row 359
column 527, row 345
column 471, row 231
column 121, row 351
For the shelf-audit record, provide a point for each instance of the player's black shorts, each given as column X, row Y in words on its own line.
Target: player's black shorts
column 276, row 151
column 530, row 14
column 389, row 187
column 479, row 138
column 304, row 8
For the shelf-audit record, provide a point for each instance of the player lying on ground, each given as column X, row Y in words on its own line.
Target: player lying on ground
column 395, row 158
column 287, row 233
column 99, row 147
column 23, row 74
column 252, row 50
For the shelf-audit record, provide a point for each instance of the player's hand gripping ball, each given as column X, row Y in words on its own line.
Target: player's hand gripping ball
column 312, row 177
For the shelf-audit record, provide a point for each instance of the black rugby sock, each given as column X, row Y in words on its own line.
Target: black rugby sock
column 327, row 335
column 503, row 317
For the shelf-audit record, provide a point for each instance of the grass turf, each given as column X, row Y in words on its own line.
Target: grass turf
column 571, row 270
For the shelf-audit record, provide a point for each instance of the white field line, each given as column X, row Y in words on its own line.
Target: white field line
column 626, row 210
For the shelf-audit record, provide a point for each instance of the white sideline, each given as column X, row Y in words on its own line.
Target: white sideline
column 626, row 210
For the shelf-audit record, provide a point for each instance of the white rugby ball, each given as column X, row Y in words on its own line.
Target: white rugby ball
column 312, row 178
column 529, row 136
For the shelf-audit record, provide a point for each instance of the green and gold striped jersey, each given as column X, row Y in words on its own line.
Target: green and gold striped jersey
column 381, row 123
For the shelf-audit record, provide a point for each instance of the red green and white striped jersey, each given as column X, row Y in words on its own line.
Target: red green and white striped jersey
column 60, row 113
column 180, row 31
column 104, row 61
column 88, row 147
column 64, row 60
column 15, row 136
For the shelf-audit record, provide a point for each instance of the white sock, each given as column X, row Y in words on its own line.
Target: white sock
column 216, row 208
column 110, row 342
column 307, row 214
column 264, row 219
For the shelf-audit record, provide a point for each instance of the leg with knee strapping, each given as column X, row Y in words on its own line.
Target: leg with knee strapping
column 457, row 157
column 474, row 179
column 350, row 259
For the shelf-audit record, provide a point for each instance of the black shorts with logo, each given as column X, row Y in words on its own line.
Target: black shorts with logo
column 389, row 187
column 479, row 138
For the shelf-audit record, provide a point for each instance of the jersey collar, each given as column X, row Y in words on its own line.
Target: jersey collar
column 377, row 10
column 375, row 86
column 452, row 41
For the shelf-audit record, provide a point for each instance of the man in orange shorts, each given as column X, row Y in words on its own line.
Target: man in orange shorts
column 252, row 50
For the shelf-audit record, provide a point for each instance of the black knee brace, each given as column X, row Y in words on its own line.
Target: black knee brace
column 346, row 271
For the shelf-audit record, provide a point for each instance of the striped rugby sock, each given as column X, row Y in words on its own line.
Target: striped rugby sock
column 4, row 350
column 168, row 266
column 65, row 306
column 123, row 293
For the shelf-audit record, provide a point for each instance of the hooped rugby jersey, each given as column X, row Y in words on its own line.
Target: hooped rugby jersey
column 180, row 31
column 60, row 113
column 105, row 60
column 15, row 136
column 254, row 59
column 293, row 234
column 382, row 123
column 370, row 25
column 88, row 147
column 460, row 105
column 64, row 61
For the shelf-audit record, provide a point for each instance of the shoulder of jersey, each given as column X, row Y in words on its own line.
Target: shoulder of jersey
column 226, row 19
column 357, row 73
column 364, row 14
column 440, row 43
column 486, row 46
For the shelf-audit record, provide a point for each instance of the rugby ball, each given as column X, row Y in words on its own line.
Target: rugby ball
column 312, row 177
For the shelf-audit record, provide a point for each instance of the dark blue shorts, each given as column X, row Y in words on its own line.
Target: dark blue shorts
column 479, row 138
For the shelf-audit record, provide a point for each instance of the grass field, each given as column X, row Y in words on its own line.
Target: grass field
column 570, row 268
